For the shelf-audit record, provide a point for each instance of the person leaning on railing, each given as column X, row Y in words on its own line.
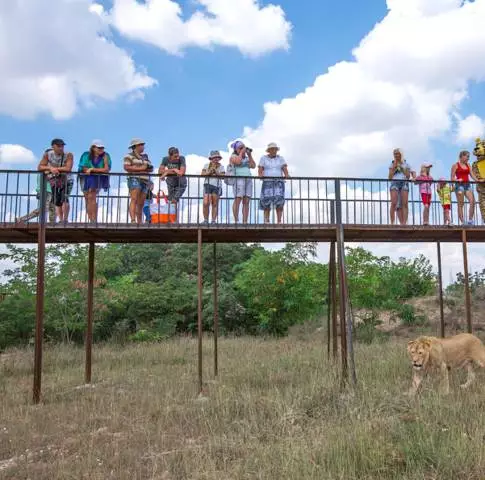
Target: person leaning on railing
column 137, row 163
column 242, row 162
column 399, row 174
column 92, row 165
column 460, row 174
column 57, row 165
column 272, row 190
column 444, row 192
column 173, row 169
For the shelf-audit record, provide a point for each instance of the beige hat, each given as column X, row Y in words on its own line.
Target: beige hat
column 136, row 141
column 272, row 145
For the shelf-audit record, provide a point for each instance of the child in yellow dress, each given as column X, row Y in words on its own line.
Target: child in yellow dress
column 444, row 192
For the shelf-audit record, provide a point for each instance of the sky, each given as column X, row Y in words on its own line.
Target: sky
column 337, row 85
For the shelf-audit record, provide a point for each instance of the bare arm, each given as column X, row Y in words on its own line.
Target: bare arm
column 453, row 173
column 252, row 163
column 285, row 171
column 68, row 165
column 105, row 168
column 43, row 164
column 392, row 171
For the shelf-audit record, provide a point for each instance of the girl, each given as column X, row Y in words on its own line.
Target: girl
column 424, row 180
column 444, row 191
column 461, row 173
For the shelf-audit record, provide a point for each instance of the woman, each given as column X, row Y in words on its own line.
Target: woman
column 242, row 162
column 213, row 171
column 272, row 191
column 137, row 163
column 461, row 173
column 91, row 167
column 399, row 174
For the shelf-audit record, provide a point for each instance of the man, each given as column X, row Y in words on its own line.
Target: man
column 478, row 170
column 173, row 169
column 57, row 165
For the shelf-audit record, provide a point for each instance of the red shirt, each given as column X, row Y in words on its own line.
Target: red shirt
column 462, row 173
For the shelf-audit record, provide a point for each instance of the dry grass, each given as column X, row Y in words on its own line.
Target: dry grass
column 277, row 413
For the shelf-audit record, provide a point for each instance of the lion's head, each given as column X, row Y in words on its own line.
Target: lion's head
column 419, row 352
column 479, row 150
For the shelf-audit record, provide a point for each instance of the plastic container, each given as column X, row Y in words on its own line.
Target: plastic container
column 162, row 211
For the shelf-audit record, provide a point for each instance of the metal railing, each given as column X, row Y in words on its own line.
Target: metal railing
column 308, row 201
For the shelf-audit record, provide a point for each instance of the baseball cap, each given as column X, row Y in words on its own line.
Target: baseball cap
column 58, row 141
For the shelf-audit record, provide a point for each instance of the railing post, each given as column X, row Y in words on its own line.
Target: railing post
column 39, row 310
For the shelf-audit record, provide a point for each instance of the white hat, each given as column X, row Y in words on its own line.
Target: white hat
column 426, row 165
column 272, row 145
column 136, row 141
column 97, row 143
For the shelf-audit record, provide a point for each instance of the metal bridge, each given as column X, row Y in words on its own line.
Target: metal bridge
column 333, row 210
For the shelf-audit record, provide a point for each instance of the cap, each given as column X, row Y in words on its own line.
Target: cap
column 426, row 165
column 97, row 143
column 58, row 141
column 136, row 141
column 214, row 154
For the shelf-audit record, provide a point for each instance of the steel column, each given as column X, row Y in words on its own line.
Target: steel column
column 468, row 307
column 39, row 307
column 199, row 307
column 440, row 285
column 216, row 315
column 329, row 304
column 89, row 329
column 334, row 302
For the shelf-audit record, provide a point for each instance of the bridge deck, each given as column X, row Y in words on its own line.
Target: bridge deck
column 230, row 233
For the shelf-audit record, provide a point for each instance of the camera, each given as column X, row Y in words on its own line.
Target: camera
column 249, row 150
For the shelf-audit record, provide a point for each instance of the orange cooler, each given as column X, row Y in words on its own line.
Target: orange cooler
column 163, row 212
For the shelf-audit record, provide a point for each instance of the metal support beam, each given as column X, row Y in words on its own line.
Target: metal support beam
column 199, row 307
column 39, row 308
column 468, row 306
column 216, row 315
column 89, row 329
column 329, row 304
column 440, row 285
column 334, row 301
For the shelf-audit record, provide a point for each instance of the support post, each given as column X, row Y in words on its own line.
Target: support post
column 199, row 307
column 334, row 302
column 89, row 329
column 440, row 285
column 329, row 304
column 216, row 315
column 39, row 307
column 468, row 307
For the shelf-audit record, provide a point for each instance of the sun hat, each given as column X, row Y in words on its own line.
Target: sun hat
column 58, row 141
column 272, row 145
column 136, row 141
column 214, row 154
column 97, row 143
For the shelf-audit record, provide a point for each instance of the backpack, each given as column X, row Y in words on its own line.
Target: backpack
column 230, row 174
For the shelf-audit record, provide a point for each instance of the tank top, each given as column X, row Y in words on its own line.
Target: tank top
column 462, row 173
column 57, row 161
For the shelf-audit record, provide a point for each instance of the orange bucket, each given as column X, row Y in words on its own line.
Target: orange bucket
column 164, row 212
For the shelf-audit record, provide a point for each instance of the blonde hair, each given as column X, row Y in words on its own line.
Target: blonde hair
column 399, row 150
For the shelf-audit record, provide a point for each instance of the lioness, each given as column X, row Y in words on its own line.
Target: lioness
column 432, row 353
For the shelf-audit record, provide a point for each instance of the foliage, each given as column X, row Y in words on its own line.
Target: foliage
column 366, row 331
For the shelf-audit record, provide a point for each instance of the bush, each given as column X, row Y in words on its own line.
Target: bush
column 145, row 336
column 408, row 316
column 366, row 331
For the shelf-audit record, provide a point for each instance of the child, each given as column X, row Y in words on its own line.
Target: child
column 424, row 179
column 444, row 192
column 213, row 171
column 148, row 201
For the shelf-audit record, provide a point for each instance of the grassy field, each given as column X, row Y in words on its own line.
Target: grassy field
column 276, row 413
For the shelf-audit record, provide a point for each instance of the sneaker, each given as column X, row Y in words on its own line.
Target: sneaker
column 470, row 222
column 205, row 222
column 214, row 222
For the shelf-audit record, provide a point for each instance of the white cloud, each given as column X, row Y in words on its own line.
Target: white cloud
column 15, row 155
column 470, row 128
column 403, row 89
column 56, row 55
column 242, row 24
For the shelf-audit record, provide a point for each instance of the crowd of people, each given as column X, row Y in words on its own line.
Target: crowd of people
column 272, row 169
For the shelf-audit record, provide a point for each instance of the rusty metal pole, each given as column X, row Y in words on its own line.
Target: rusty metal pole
column 89, row 329
column 440, row 285
column 468, row 307
column 39, row 310
column 199, row 307
column 329, row 304
column 216, row 315
column 334, row 303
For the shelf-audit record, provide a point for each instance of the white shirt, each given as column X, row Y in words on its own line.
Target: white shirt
column 273, row 167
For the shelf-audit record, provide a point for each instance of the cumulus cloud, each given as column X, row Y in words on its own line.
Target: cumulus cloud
column 470, row 128
column 403, row 88
column 57, row 54
column 243, row 24
column 15, row 155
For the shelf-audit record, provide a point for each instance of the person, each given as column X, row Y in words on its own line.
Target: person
column 92, row 165
column 137, row 163
column 147, row 203
column 478, row 170
column 172, row 169
column 49, row 205
column 272, row 190
column 399, row 174
column 242, row 162
column 460, row 174
column 424, row 180
column 213, row 171
column 444, row 192
column 57, row 165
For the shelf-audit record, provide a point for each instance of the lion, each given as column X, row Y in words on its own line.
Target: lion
column 443, row 354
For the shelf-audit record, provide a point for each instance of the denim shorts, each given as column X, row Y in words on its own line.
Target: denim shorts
column 212, row 190
column 135, row 183
column 463, row 187
column 400, row 185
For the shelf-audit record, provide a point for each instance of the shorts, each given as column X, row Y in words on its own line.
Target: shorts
column 212, row 190
column 61, row 195
column 400, row 185
column 462, row 187
column 243, row 187
column 447, row 208
column 426, row 198
column 135, row 183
